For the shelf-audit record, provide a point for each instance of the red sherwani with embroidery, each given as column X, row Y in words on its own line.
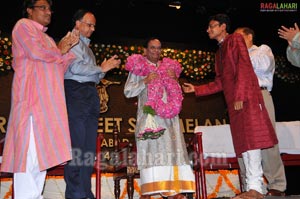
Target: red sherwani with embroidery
column 250, row 127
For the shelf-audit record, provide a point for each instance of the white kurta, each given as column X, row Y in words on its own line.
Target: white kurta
column 37, row 91
column 163, row 162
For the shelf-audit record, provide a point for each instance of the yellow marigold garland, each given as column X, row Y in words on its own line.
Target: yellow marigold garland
column 136, row 187
column 9, row 193
column 124, row 192
column 215, row 192
column 224, row 173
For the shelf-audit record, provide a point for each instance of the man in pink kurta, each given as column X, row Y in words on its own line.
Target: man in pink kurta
column 38, row 98
column 250, row 124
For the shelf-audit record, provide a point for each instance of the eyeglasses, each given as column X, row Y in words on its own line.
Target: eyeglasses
column 154, row 47
column 43, row 8
column 211, row 26
column 90, row 25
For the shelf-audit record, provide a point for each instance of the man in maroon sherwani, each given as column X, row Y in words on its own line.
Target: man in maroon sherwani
column 250, row 124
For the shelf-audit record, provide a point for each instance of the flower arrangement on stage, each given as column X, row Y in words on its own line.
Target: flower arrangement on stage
column 5, row 55
column 223, row 175
column 286, row 72
column 196, row 65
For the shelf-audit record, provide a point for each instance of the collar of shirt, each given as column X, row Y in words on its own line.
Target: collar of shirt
column 39, row 26
column 253, row 47
column 154, row 64
column 85, row 40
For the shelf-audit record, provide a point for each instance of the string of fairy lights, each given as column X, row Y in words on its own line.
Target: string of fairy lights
column 197, row 65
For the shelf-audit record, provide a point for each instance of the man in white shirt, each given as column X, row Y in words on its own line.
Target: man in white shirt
column 263, row 63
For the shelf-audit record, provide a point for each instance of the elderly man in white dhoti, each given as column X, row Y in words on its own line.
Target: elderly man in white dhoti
column 162, row 156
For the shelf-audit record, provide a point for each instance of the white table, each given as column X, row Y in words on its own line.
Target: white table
column 217, row 140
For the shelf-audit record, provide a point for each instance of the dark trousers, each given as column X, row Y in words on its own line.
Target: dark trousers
column 83, row 107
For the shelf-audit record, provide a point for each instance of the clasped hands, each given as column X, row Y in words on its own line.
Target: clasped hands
column 68, row 41
column 154, row 75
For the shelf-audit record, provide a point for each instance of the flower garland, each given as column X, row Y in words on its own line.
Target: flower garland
column 9, row 193
column 123, row 195
column 228, row 182
column 217, row 188
column 223, row 174
column 138, row 65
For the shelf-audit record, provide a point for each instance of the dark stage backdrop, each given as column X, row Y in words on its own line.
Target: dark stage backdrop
column 210, row 110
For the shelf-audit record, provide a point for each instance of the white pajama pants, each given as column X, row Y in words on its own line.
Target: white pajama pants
column 29, row 185
column 254, row 173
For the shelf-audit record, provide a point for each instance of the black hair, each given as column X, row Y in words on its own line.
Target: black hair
column 145, row 45
column 30, row 4
column 79, row 14
column 222, row 19
column 248, row 31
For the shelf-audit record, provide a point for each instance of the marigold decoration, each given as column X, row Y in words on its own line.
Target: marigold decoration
column 9, row 193
column 197, row 65
column 124, row 193
column 285, row 71
column 217, row 188
column 5, row 55
column 224, row 174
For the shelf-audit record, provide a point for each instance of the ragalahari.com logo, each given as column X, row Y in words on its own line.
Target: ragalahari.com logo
column 278, row 7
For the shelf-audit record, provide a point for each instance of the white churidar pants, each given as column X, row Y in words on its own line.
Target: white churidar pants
column 29, row 185
column 254, row 173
